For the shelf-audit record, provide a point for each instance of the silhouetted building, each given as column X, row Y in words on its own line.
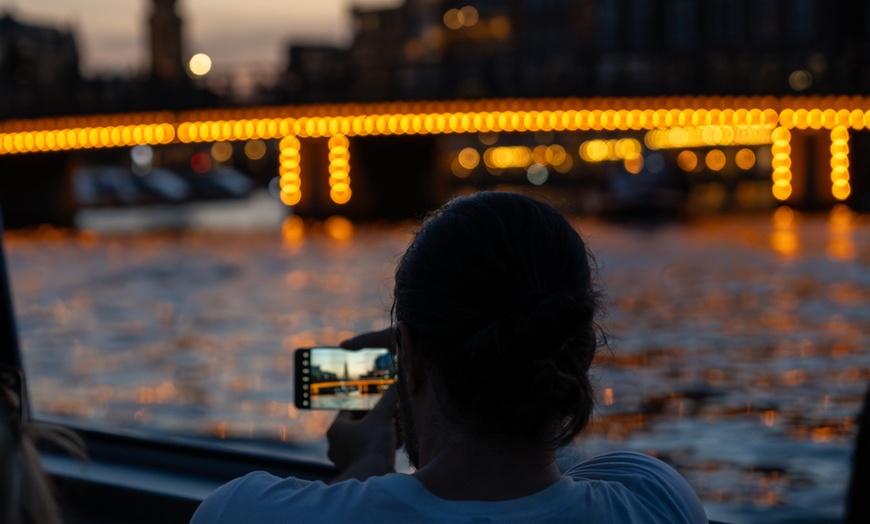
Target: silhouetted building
column 167, row 62
column 375, row 56
column 497, row 48
column 39, row 69
column 315, row 74
column 39, row 72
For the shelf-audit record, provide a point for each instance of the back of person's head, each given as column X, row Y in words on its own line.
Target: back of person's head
column 497, row 292
column 25, row 495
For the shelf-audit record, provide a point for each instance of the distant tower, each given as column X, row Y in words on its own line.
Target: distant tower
column 166, row 61
column 346, row 374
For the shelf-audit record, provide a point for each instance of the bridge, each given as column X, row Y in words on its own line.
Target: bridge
column 812, row 141
column 363, row 385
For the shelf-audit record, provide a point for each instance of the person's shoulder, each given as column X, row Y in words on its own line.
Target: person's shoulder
column 618, row 465
column 241, row 499
column 629, row 468
column 262, row 497
column 642, row 479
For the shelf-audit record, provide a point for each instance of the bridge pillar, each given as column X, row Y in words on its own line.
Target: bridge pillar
column 392, row 177
column 811, row 169
column 859, row 159
column 37, row 189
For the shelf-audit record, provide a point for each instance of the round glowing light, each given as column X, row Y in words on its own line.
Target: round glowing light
column 634, row 164
column 339, row 141
column 454, row 19
column 221, row 151
column 627, row 148
column 555, row 155
column 781, row 191
column 800, row 80
column 506, row 157
column 539, row 155
column 840, row 134
column 715, row 160
column 200, row 64
column 596, row 150
column 687, row 160
column 200, row 162
column 142, row 155
column 565, row 165
column 537, row 174
column 488, row 138
column 469, row 16
column 469, row 158
column 458, row 170
column 291, row 198
column 841, row 190
column 340, row 195
column 745, row 159
column 255, row 149
column 781, row 174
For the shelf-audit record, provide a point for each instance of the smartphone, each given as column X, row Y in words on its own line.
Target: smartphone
column 338, row 378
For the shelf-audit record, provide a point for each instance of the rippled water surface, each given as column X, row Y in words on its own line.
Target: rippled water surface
column 739, row 344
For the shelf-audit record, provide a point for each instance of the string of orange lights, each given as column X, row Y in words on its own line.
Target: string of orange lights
column 690, row 122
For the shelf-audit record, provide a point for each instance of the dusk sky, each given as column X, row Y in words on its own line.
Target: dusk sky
column 236, row 33
column 358, row 362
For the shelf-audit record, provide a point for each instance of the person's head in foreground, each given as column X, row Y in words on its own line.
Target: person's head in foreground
column 25, row 493
column 494, row 312
column 495, row 296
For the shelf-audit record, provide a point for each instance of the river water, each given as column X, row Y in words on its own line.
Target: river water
column 739, row 344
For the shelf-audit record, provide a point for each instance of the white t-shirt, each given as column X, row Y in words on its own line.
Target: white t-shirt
column 617, row 487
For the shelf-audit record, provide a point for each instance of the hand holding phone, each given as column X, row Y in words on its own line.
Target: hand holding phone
column 339, row 378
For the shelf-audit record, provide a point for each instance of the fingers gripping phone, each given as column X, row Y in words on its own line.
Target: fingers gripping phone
column 338, row 378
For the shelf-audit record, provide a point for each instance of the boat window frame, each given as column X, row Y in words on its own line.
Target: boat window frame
column 132, row 477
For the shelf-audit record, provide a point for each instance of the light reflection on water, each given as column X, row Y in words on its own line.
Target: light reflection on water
column 738, row 348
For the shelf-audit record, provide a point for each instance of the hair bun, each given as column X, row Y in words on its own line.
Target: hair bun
column 548, row 321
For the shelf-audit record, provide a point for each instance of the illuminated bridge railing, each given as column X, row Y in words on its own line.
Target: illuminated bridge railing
column 672, row 122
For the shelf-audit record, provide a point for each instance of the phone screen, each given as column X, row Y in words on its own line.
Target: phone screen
column 337, row 378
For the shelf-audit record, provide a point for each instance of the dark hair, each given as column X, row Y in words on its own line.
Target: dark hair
column 25, row 491
column 25, row 495
column 497, row 291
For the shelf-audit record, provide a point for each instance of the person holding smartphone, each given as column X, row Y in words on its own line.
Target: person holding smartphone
column 494, row 330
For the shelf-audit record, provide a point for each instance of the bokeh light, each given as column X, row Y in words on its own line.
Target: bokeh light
column 469, row 158
column 537, row 174
column 255, row 149
column 687, row 160
column 142, row 155
column 200, row 163
column 289, row 170
column 840, row 187
column 701, row 122
column 634, row 164
column 457, row 18
column 745, row 159
column 222, row 151
column 800, row 80
column 199, row 64
column 339, row 169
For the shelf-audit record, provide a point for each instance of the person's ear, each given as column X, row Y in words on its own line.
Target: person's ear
column 409, row 358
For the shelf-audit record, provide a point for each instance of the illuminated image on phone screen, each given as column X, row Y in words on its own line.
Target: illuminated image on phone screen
column 334, row 378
